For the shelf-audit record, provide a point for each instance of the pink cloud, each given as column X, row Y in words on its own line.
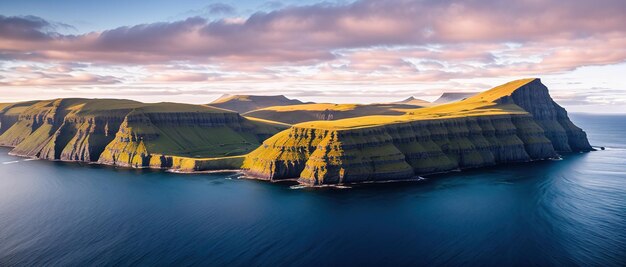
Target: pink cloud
column 390, row 42
column 44, row 79
column 179, row 77
column 300, row 34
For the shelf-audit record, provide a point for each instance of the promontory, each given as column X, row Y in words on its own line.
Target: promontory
column 514, row 122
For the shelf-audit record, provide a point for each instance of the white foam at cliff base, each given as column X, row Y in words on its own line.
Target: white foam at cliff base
column 295, row 187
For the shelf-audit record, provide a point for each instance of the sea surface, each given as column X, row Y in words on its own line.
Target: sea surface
column 567, row 212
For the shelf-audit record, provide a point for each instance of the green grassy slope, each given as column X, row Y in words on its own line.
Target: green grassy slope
column 128, row 133
column 293, row 114
column 9, row 113
column 482, row 104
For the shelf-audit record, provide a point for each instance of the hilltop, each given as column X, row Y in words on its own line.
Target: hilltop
column 452, row 97
column 245, row 103
column 517, row 121
column 414, row 101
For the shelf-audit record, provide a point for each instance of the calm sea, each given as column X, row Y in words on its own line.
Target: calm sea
column 568, row 212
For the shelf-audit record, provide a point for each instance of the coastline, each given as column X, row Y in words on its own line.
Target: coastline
column 246, row 175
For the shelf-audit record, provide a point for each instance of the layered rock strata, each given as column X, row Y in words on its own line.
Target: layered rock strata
column 404, row 150
column 129, row 133
column 515, row 122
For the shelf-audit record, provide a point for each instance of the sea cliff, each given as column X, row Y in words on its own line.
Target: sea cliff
column 515, row 122
column 131, row 134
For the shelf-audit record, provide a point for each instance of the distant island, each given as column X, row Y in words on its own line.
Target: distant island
column 276, row 138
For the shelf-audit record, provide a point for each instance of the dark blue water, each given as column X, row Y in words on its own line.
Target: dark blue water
column 569, row 212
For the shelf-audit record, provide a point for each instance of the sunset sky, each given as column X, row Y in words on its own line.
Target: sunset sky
column 333, row 51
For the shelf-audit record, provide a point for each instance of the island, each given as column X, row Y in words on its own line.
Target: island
column 314, row 144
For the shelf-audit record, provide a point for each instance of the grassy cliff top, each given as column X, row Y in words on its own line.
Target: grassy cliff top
column 270, row 122
column 178, row 107
column 500, row 91
column 87, row 107
column 478, row 105
column 102, row 105
column 312, row 107
column 327, row 111
column 15, row 108
column 335, row 107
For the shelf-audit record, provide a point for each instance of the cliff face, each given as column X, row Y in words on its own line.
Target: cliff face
column 143, row 138
column 398, row 151
column 9, row 114
column 535, row 98
column 129, row 133
column 35, row 131
column 402, row 150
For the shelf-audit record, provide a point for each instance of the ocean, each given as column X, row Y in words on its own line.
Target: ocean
column 560, row 212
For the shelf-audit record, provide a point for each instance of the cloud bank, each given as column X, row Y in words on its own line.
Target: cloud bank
column 296, row 34
column 397, row 41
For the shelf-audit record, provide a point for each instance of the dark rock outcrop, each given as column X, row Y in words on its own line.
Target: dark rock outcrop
column 535, row 98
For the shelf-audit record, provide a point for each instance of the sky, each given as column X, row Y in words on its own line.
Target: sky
column 361, row 51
